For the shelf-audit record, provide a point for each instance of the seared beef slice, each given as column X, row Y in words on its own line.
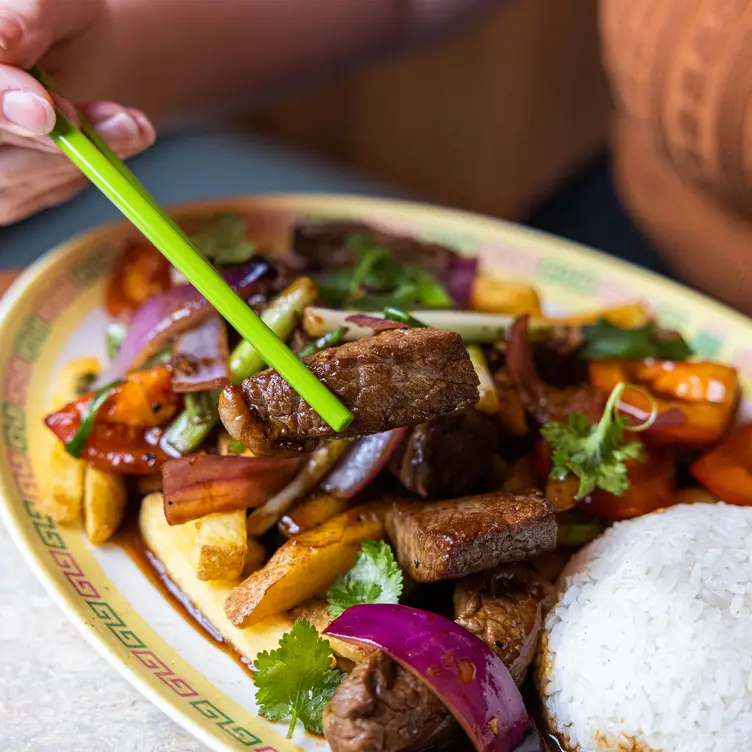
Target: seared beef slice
column 505, row 608
column 445, row 540
column 382, row 707
column 449, row 456
column 399, row 378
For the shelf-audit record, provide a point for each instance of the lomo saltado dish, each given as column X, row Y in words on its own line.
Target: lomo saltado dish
column 410, row 562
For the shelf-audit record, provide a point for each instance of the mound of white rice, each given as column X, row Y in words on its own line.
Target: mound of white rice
column 650, row 645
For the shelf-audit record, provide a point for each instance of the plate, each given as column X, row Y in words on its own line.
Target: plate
column 53, row 314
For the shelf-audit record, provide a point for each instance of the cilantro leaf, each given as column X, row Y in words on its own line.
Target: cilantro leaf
column 374, row 578
column 594, row 453
column 606, row 340
column 377, row 279
column 296, row 680
column 224, row 241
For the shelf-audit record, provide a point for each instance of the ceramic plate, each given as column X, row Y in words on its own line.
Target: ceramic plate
column 53, row 314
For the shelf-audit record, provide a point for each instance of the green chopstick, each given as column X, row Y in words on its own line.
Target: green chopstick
column 117, row 182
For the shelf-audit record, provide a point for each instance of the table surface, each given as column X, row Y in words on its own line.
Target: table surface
column 56, row 693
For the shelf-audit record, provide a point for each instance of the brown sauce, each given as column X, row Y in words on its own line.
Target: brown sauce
column 129, row 539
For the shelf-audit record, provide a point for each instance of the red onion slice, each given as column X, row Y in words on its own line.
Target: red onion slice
column 175, row 311
column 200, row 358
column 375, row 322
column 459, row 278
column 362, row 463
column 206, row 484
column 459, row 667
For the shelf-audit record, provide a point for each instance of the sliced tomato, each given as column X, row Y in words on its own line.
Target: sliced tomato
column 726, row 470
column 140, row 273
column 704, row 396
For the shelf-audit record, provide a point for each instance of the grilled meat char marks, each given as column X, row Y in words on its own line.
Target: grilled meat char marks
column 506, row 608
column 449, row 456
column 399, row 378
column 383, row 707
column 446, row 540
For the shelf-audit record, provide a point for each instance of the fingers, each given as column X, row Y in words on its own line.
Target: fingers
column 26, row 108
column 32, row 179
column 15, row 207
column 28, row 28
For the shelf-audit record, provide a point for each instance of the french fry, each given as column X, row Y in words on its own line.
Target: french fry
column 175, row 547
column 305, row 566
column 105, row 498
column 494, row 295
column 310, row 513
column 63, row 497
column 221, row 545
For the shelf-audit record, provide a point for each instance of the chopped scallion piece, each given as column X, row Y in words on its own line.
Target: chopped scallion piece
column 75, row 446
column 330, row 339
column 395, row 314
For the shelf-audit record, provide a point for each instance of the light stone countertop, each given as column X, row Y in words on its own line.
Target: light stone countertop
column 57, row 694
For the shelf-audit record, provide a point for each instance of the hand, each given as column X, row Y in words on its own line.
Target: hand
column 67, row 38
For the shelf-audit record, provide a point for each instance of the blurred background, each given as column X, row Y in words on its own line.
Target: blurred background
column 509, row 118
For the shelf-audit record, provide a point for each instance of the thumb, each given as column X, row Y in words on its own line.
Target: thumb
column 29, row 28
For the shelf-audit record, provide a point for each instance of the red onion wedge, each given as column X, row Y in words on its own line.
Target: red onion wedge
column 362, row 463
column 459, row 278
column 200, row 358
column 376, row 323
column 205, row 484
column 459, row 667
column 178, row 310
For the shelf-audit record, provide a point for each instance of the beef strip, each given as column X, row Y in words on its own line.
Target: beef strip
column 446, row 540
column 448, row 456
column 399, row 378
column 382, row 707
column 324, row 245
column 505, row 608
column 543, row 401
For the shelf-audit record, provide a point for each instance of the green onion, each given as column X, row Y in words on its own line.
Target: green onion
column 190, row 429
column 578, row 534
column 75, row 446
column 330, row 339
column 395, row 314
column 116, row 333
column 281, row 317
column 235, row 447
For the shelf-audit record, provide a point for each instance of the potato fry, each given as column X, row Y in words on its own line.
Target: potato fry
column 63, row 497
column 627, row 316
column 522, row 475
column 221, row 545
column 310, row 513
column 175, row 547
column 495, row 295
column 305, row 566
column 105, row 497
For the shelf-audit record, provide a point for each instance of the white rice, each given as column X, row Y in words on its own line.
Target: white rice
column 650, row 644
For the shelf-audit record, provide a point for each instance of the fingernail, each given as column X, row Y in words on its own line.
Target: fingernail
column 28, row 111
column 11, row 31
column 119, row 128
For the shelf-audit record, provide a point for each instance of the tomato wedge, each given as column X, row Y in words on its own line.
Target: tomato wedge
column 706, row 394
column 726, row 470
column 140, row 273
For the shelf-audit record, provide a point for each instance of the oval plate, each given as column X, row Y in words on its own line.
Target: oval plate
column 53, row 314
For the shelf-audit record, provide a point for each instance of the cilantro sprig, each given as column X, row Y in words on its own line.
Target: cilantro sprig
column 296, row 680
column 224, row 241
column 374, row 578
column 596, row 453
column 606, row 340
column 377, row 279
